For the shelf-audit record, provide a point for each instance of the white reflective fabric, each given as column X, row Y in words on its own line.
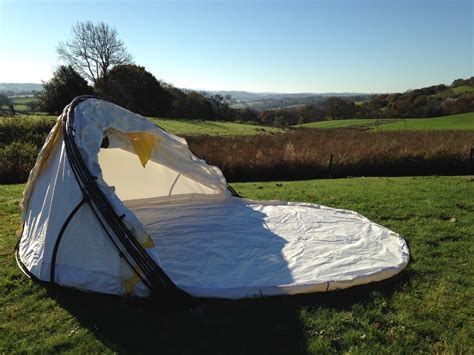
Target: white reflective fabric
column 86, row 259
column 122, row 170
column 236, row 248
column 95, row 119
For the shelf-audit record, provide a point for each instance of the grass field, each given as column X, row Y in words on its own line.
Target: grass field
column 429, row 307
column 351, row 123
column 21, row 104
column 212, row 128
column 463, row 121
column 180, row 127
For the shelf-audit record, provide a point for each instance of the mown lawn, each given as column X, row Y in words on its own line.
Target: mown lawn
column 463, row 121
column 429, row 307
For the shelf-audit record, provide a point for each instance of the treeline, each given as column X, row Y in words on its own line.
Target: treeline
column 133, row 87
column 433, row 101
column 98, row 63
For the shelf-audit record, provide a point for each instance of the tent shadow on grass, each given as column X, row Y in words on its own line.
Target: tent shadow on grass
column 269, row 325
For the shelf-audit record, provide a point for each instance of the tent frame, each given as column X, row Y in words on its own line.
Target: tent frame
column 127, row 246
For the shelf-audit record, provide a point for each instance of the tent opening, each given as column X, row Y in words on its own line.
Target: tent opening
column 129, row 163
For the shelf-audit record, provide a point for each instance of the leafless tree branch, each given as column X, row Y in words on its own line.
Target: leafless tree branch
column 93, row 50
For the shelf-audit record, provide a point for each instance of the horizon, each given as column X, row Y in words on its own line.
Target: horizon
column 348, row 93
column 243, row 91
column 273, row 47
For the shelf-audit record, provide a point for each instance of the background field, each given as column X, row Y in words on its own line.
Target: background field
column 212, row 128
column 178, row 127
column 463, row 121
column 304, row 154
column 427, row 308
column 23, row 104
column 247, row 152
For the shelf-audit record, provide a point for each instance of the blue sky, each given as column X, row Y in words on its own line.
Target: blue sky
column 260, row 45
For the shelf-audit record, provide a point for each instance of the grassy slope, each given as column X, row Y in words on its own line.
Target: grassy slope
column 455, row 92
column 428, row 307
column 187, row 127
column 463, row 121
column 351, row 123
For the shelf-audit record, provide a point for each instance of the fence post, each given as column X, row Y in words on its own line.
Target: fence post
column 330, row 166
column 471, row 158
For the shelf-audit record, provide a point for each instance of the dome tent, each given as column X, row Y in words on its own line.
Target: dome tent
column 116, row 205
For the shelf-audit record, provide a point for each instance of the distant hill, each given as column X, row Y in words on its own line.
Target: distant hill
column 11, row 89
column 432, row 101
column 464, row 121
column 261, row 101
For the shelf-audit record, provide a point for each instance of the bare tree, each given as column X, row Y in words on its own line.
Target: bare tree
column 93, row 50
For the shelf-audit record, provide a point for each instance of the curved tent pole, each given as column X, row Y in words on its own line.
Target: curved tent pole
column 230, row 188
column 153, row 277
column 52, row 271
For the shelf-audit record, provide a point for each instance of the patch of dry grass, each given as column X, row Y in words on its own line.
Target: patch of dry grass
column 306, row 153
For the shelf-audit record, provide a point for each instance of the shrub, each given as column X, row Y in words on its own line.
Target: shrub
column 25, row 129
column 16, row 161
column 21, row 138
column 65, row 85
column 136, row 89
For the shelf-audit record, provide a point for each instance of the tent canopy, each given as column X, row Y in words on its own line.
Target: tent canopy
column 117, row 205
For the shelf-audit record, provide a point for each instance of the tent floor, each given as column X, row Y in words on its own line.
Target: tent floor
column 236, row 248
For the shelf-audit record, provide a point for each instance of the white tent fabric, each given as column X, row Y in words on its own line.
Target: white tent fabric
column 210, row 243
column 236, row 248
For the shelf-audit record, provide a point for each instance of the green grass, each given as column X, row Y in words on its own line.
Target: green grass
column 463, row 121
column 429, row 307
column 188, row 127
column 22, row 103
column 213, row 128
column 455, row 92
column 350, row 123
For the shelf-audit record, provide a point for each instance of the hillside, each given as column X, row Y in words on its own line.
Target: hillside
column 212, row 128
column 432, row 101
column 463, row 121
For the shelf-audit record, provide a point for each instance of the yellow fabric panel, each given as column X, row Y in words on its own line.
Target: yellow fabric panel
column 40, row 164
column 143, row 143
column 148, row 243
column 130, row 284
column 132, row 281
